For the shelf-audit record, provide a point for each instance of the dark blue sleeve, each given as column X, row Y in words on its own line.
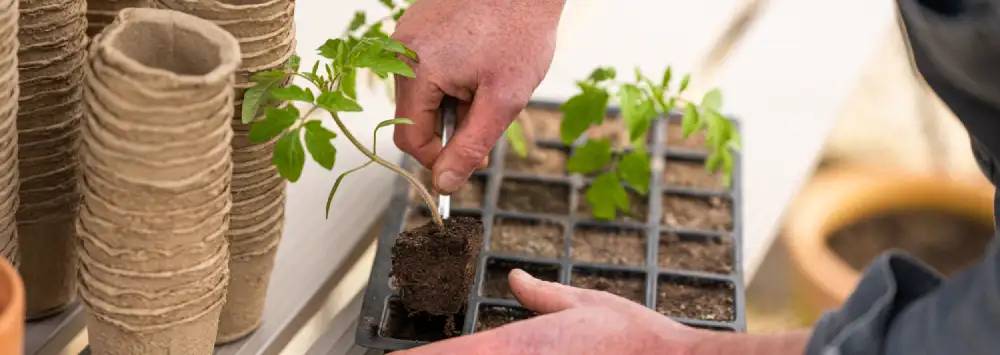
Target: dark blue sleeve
column 901, row 306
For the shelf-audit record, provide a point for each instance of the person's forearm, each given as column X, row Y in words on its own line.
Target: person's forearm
column 753, row 344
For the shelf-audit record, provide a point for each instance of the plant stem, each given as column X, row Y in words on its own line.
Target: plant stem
column 426, row 196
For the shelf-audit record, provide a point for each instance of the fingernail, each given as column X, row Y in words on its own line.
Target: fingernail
column 449, row 182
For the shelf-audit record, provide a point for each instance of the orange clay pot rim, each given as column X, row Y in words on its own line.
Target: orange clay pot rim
column 837, row 198
column 11, row 312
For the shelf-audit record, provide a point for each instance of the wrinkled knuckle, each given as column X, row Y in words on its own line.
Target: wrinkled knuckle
column 472, row 153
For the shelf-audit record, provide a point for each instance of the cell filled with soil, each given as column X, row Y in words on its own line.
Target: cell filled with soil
column 540, row 161
column 542, row 123
column 496, row 316
column 675, row 138
column 534, row 196
column 638, row 211
column 630, row 285
column 696, row 299
column 691, row 173
column 710, row 213
column 609, row 245
column 418, row 215
column 401, row 324
column 613, row 130
column 471, row 194
column 433, row 267
column 697, row 253
column 496, row 285
column 527, row 236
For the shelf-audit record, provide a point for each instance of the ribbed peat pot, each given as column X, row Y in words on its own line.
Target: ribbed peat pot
column 100, row 13
column 266, row 33
column 51, row 58
column 677, row 252
column 8, row 129
column 156, row 173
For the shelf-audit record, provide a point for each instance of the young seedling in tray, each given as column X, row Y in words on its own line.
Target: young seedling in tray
column 434, row 264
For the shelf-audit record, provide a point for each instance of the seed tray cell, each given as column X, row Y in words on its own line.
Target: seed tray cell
column 659, row 261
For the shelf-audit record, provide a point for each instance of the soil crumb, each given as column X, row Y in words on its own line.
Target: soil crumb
column 628, row 285
column 705, row 213
column 696, row 253
column 536, row 197
column 609, row 246
column 495, row 316
column 708, row 301
column 946, row 241
column 528, row 237
column 497, row 285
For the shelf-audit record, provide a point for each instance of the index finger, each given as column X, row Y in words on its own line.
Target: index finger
column 418, row 100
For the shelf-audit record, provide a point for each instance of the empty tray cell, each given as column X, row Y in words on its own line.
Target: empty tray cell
column 534, row 196
column 541, row 123
column 698, row 253
column 691, row 173
column 696, row 299
column 469, row 196
column 527, row 237
column 630, row 285
column 495, row 316
column 496, row 285
column 638, row 212
column 711, row 213
column 609, row 245
column 399, row 324
column 540, row 160
column 675, row 137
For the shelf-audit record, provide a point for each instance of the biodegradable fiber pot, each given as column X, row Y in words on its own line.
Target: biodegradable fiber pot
column 100, row 13
column 51, row 36
column 841, row 197
column 8, row 132
column 265, row 31
column 154, row 268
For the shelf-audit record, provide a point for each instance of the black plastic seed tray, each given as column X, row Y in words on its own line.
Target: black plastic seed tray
column 645, row 257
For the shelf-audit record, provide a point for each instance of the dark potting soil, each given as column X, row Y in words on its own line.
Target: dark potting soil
column 685, row 173
column 705, row 213
column 531, row 196
column 609, row 245
column 434, row 267
column 675, row 137
column 539, row 161
column 946, row 241
column 495, row 316
column 638, row 212
column 707, row 301
column 628, row 285
column 696, row 253
column 528, row 237
column 497, row 270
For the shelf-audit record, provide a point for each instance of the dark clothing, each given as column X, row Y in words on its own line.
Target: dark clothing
column 900, row 305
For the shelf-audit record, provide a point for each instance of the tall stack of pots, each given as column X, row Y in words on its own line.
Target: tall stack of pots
column 50, row 60
column 156, row 173
column 8, row 129
column 100, row 13
column 265, row 30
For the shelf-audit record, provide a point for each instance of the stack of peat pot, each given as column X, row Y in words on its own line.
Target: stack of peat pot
column 265, row 30
column 8, row 129
column 100, row 13
column 156, row 173
column 50, row 60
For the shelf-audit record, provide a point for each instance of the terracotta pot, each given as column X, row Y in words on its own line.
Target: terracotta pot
column 11, row 308
column 840, row 197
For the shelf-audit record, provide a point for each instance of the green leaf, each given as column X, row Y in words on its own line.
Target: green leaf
column 387, row 64
column 515, row 136
column 337, row 102
column 712, row 100
column 268, row 77
column 606, row 196
column 592, row 156
column 684, row 83
column 293, row 93
column 581, row 111
column 602, row 73
column 375, row 30
column 251, row 101
column 331, row 49
column 276, row 120
column 690, row 120
column 714, row 161
column 637, row 111
column 398, row 47
column 398, row 14
column 388, row 3
column 665, row 82
column 394, row 121
column 634, row 168
column 357, row 21
column 289, row 157
column 292, row 66
column 718, row 129
column 349, row 83
column 319, row 146
column 336, row 185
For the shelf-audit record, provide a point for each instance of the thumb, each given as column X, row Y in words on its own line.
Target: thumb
column 548, row 297
column 489, row 115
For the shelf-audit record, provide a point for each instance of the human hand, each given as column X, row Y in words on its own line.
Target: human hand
column 490, row 55
column 574, row 321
